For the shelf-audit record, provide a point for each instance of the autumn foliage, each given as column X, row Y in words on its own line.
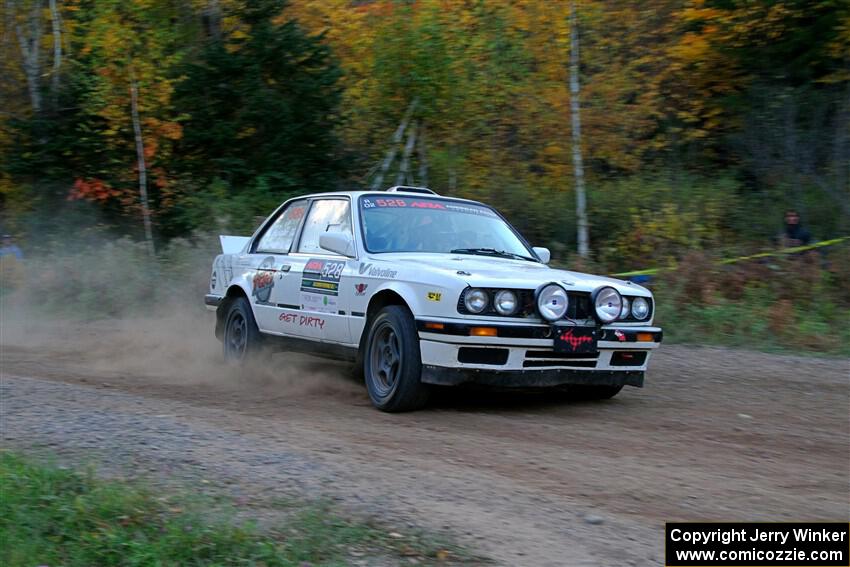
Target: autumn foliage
column 701, row 119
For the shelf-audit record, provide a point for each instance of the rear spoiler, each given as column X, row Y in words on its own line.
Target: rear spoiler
column 233, row 244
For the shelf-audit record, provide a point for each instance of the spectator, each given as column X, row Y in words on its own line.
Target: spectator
column 9, row 248
column 11, row 273
column 794, row 234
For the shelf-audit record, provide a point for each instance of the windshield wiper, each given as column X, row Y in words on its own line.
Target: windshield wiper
column 491, row 252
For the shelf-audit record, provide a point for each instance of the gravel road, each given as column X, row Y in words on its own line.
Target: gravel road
column 527, row 479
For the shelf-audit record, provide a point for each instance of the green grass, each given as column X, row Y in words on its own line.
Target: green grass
column 51, row 516
column 756, row 321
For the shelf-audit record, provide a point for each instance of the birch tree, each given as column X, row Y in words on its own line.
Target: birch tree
column 140, row 159
column 56, row 24
column 575, row 111
column 29, row 41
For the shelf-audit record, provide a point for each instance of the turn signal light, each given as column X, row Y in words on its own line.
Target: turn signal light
column 645, row 337
column 435, row 326
column 483, row 332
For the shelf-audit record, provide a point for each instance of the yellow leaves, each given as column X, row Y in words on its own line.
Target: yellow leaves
column 171, row 130
column 246, row 133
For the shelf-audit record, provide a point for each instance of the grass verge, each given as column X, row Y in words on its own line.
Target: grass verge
column 52, row 516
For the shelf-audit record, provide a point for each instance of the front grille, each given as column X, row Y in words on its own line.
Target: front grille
column 579, row 307
column 552, row 359
column 559, row 355
column 555, row 363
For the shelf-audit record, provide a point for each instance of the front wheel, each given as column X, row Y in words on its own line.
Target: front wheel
column 242, row 339
column 392, row 364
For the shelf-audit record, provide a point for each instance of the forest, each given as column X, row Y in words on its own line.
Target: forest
column 688, row 127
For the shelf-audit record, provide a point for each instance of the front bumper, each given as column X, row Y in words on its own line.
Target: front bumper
column 523, row 355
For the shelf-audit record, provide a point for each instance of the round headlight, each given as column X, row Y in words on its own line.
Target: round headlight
column 640, row 308
column 552, row 302
column 627, row 307
column 608, row 304
column 476, row 300
column 506, row 302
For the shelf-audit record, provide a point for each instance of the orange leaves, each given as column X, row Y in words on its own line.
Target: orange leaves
column 171, row 130
column 157, row 133
column 92, row 190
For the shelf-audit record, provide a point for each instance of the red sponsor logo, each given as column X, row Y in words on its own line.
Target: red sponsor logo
column 262, row 280
column 427, row 205
column 390, row 202
column 621, row 336
column 360, row 289
column 314, row 266
column 574, row 341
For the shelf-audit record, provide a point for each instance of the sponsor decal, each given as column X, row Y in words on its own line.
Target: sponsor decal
column 308, row 321
column 319, row 302
column 414, row 204
column 213, row 280
column 370, row 270
column 224, row 268
column 430, row 204
column 621, row 336
column 434, row 296
column 263, row 280
column 480, row 211
column 360, row 289
column 302, row 320
column 320, row 285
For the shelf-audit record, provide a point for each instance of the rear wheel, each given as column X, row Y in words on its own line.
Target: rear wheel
column 392, row 363
column 242, row 339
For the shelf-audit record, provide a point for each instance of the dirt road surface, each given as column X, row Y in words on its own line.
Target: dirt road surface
column 533, row 480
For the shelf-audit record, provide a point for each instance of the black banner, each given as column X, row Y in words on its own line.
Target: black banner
column 763, row 544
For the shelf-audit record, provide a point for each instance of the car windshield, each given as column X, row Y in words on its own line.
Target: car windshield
column 421, row 224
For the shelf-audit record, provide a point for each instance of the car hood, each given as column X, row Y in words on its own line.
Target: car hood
column 487, row 271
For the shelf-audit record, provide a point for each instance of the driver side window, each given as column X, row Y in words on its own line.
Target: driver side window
column 327, row 215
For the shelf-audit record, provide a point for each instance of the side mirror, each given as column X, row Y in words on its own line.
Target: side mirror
column 543, row 254
column 338, row 242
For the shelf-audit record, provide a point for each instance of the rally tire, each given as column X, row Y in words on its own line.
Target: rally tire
column 242, row 341
column 392, row 364
column 594, row 392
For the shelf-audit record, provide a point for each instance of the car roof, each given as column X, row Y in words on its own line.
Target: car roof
column 355, row 194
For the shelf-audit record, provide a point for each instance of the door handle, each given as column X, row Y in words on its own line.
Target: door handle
column 285, row 268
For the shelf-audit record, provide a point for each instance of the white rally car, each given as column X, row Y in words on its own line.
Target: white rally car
column 420, row 289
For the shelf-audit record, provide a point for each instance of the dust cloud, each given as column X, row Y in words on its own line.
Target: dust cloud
column 167, row 338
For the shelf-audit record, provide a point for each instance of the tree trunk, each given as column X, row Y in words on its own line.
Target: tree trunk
column 140, row 156
column 423, row 157
column 575, row 109
column 212, row 19
column 30, row 52
column 403, row 177
column 399, row 133
column 57, row 49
